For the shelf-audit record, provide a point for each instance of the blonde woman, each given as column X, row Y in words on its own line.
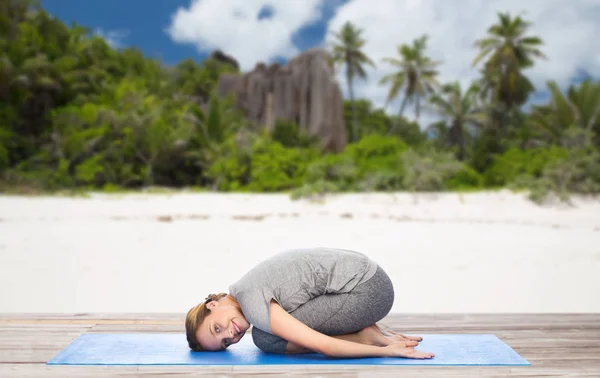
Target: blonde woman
column 321, row 300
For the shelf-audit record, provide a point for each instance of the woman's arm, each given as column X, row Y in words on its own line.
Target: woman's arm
column 289, row 328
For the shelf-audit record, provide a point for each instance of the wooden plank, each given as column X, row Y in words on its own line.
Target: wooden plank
column 41, row 370
column 95, row 316
column 25, row 321
column 413, row 319
column 137, row 328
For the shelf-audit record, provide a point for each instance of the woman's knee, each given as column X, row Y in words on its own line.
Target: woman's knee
column 381, row 294
column 267, row 342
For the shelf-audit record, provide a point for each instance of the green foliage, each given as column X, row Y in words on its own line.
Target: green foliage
column 338, row 169
column 229, row 172
column 429, row 170
column 289, row 135
column 276, row 168
column 515, row 162
column 465, row 178
column 372, row 120
column 4, row 148
column 265, row 166
column 89, row 170
column 77, row 114
column 376, row 152
column 577, row 170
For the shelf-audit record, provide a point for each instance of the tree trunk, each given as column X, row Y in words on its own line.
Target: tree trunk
column 460, row 136
column 402, row 106
column 149, row 179
column 397, row 123
column 354, row 116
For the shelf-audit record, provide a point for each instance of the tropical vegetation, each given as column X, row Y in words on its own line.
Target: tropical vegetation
column 77, row 114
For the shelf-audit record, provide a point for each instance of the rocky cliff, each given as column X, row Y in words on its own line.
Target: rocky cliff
column 304, row 91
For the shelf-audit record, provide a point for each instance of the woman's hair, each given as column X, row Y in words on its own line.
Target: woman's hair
column 194, row 319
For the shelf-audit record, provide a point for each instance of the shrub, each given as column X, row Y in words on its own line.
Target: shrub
column 274, row 167
column 375, row 153
column 228, row 165
column 580, row 173
column 516, row 162
column 384, row 180
column 429, row 170
column 314, row 189
column 577, row 171
column 465, row 178
column 288, row 134
column 336, row 168
column 265, row 166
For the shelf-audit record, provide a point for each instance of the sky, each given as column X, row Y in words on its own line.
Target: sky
column 255, row 31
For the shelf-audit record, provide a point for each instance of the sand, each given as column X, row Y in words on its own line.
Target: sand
column 446, row 253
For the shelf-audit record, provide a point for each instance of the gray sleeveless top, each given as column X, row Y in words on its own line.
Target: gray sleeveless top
column 294, row 277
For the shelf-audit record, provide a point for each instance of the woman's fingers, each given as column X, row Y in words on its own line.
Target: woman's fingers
column 398, row 351
column 420, row 355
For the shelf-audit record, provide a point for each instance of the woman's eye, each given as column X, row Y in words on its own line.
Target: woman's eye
column 217, row 329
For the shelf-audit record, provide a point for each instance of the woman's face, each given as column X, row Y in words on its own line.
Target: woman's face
column 225, row 325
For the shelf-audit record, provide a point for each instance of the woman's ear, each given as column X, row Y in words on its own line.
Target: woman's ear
column 212, row 304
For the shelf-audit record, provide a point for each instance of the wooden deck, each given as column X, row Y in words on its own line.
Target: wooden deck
column 556, row 345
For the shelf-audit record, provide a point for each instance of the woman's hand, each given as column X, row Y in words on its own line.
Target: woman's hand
column 399, row 350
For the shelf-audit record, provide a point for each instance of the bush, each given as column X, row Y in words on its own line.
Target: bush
column 429, row 170
column 288, row 134
column 336, row 168
column 328, row 174
column 580, row 173
column 384, row 180
column 314, row 189
column 274, row 167
column 465, row 178
column 516, row 162
column 375, row 153
column 577, row 171
column 265, row 166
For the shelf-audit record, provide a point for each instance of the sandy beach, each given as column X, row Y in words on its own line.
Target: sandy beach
column 446, row 253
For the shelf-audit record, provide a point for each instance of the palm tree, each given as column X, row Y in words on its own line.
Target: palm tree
column 459, row 110
column 508, row 50
column 579, row 107
column 347, row 51
column 416, row 75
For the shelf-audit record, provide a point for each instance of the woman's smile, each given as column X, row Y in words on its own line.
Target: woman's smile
column 238, row 331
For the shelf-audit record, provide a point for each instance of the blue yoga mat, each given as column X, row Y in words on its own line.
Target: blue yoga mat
column 172, row 349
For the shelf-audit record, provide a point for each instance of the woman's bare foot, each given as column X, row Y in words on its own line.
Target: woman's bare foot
column 372, row 335
column 397, row 336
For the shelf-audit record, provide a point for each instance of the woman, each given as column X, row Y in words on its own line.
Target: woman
column 322, row 300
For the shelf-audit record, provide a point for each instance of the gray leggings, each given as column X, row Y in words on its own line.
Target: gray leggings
column 338, row 314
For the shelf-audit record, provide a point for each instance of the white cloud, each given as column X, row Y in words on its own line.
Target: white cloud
column 569, row 29
column 233, row 26
column 113, row 37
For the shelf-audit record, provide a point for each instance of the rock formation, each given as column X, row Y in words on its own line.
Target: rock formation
column 220, row 56
column 304, row 91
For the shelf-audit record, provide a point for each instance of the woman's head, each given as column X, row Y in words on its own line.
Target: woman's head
column 215, row 323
